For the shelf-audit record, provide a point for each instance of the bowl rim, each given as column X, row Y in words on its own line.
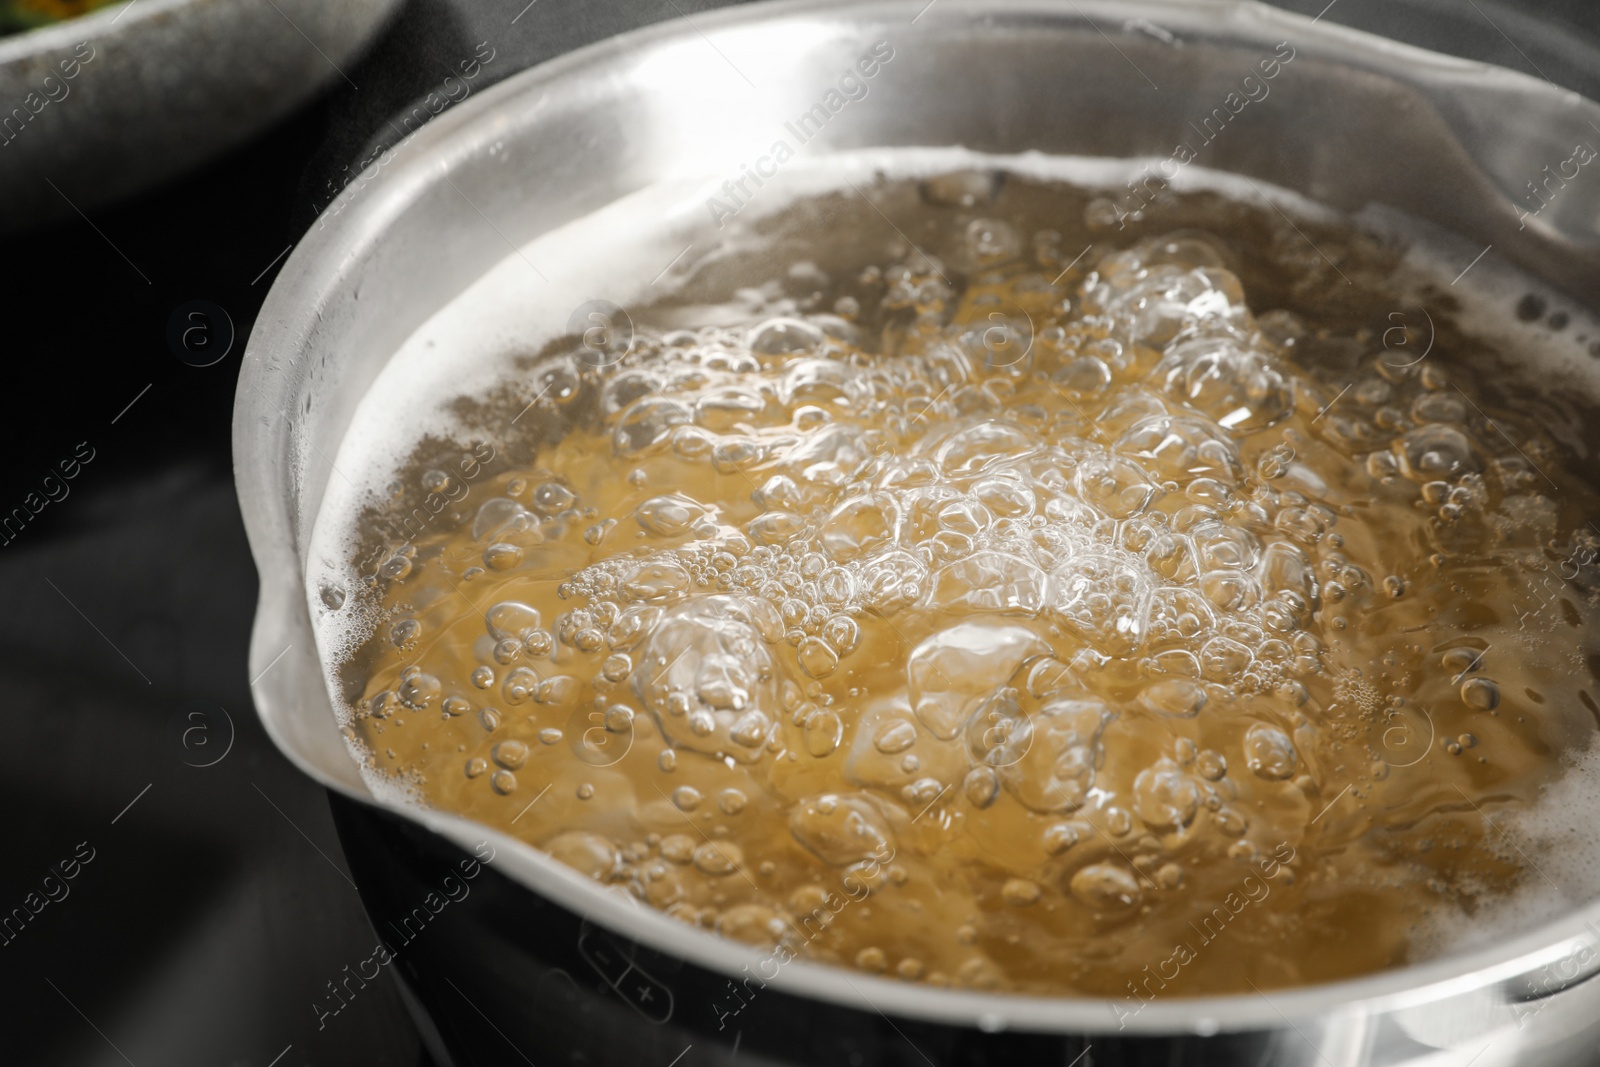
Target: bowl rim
column 90, row 26
column 418, row 162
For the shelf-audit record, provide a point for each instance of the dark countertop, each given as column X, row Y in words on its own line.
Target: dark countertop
column 216, row 907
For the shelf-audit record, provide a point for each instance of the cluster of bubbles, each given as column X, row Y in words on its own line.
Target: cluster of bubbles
column 860, row 567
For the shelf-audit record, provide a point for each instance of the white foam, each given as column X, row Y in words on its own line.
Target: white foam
column 1554, row 843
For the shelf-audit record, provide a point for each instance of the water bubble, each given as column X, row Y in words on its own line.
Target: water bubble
column 981, row 786
column 1102, row 213
column 921, row 793
column 703, row 668
column 1058, row 837
column 842, row 633
column 1105, row 887
column 502, row 519
column 1020, row 892
column 990, row 582
column 751, row 729
column 964, row 188
column 822, row 733
column 420, row 691
column 1223, row 659
column 1116, row 486
column 784, row 337
column 668, row 516
column 616, row 667
column 510, row 754
column 1177, row 698
column 1083, row 379
column 1230, row 822
column 1480, row 694
column 520, row 686
column 1103, row 599
column 1056, row 769
column 754, row 924
column 1211, row 765
column 718, row 858
column 1164, row 798
column 895, row 736
column 1435, row 451
column 511, row 620
column 872, row 959
column 1243, row 389
column 588, row 854
column 950, row 672
column 1182, row 449
column 632, row 625
column 657, row 580
column 1269, row 752
column 817, row 658
column 839, row 828
column 991, row 241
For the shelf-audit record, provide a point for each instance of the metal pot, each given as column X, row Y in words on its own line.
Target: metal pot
column 534, row 963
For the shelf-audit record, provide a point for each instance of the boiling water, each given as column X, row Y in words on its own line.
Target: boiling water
column 983, row 594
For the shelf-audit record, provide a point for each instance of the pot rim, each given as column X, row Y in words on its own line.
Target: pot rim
column 361, row 212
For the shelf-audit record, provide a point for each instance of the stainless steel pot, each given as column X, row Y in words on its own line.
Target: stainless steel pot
column 536, row 958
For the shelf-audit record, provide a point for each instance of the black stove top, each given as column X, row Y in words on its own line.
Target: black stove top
column 172, row 890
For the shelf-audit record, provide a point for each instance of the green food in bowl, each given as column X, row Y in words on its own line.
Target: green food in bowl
column 19, row 15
